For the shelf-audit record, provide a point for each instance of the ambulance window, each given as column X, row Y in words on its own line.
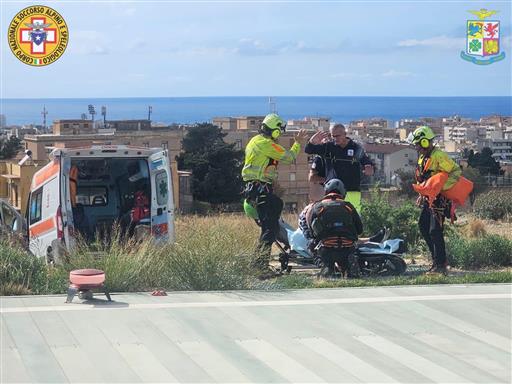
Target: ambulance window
column 35, row 206
column 162, row 188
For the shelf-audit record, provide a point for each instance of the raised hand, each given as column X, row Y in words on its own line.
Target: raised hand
column 319, row 137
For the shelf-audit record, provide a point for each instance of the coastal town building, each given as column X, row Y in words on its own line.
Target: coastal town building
column 390, row 158
column 310, row 123
column 129, row 125
column 15, row 181
column 501, row 149
column 373, row 129
column 464, row 133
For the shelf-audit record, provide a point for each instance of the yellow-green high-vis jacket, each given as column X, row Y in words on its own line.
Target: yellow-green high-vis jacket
column 438, row 161
column 261, row 157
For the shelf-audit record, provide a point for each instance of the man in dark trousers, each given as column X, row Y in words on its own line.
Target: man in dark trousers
column 262, row 156
column 342, row 159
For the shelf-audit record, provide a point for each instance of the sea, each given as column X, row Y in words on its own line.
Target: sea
column 189, row 110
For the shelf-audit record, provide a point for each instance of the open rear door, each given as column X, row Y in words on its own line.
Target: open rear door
column 44, row 218
column 162, row 199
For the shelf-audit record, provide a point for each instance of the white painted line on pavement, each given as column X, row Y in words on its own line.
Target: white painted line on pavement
column 255, row 303
column 347, row 361
column 418, row 363
column 280, row 362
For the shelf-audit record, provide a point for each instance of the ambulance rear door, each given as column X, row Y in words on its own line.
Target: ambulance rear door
column 162, row 199
column 44, row 216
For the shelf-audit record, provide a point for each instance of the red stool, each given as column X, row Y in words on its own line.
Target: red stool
column 83, row 281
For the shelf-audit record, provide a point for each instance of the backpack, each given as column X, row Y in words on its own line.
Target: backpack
column 332, row 217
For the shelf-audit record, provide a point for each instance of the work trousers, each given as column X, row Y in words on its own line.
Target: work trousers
column 431, row 225
column 269, row 207
column 345, row 257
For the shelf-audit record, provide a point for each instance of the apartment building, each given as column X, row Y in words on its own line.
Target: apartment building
column 371, row 129
column 73, row 127
column 310, row 123
column 15, row 181
column 501, row 148
column 389, row 158
column 464, row 133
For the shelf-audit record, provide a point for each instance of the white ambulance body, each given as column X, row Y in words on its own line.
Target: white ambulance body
column 108, row 179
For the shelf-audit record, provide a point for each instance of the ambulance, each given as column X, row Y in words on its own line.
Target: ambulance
column 86, row 191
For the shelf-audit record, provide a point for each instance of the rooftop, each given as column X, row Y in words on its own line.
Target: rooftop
column 385, row 148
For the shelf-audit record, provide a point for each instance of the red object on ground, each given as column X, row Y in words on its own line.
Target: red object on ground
column 158, row 292
column 82, row 280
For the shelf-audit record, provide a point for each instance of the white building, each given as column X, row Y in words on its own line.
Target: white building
column 310, row 123
column 389, row 158
column 464, row 133
column 501, row 148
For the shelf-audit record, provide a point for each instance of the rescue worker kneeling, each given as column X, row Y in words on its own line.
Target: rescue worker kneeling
column 335, row 227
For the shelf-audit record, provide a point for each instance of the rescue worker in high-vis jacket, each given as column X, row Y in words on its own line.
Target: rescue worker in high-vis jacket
column 432, row 161
column 262, row 155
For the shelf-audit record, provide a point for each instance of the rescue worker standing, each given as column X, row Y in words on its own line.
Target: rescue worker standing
column 432, row 161
column 262, row 155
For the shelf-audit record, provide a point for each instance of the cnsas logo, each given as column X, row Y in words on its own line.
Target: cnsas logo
column 483, row 39
column 38, row 35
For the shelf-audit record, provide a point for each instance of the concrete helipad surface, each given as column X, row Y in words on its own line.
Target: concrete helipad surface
column 432, row 334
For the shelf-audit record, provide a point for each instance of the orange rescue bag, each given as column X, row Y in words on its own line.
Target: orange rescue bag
column 432, row 187
column 460, row 191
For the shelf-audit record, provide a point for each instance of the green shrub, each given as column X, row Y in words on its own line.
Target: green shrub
column 212, row 253
column 407, row 179
column 23, row 273
column 479, row 184
column 377, row 212
column 494, row 205
column 485, row 251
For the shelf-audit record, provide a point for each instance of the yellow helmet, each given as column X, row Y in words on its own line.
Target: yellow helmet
column 421, row 136
column 273, row 125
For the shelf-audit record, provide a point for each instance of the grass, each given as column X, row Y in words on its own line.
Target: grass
column 211, row 253
column 303, row 281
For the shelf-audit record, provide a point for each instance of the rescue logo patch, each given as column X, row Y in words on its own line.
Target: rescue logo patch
column 350, row 152
column 38, row 35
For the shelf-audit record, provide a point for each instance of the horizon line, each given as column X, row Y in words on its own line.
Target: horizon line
column 244, row 96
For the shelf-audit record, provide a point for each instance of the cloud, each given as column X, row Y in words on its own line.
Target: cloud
column 88, row 43
column 393, row 73
column 388, row 74
column 351, row 75
column 255, row 47
column 137, row 44
column 130, row 11
column 442, row 42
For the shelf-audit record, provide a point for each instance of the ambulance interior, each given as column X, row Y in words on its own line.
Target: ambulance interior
column 105, row 194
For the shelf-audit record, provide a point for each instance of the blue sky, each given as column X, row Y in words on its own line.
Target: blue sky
column 357, row 48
